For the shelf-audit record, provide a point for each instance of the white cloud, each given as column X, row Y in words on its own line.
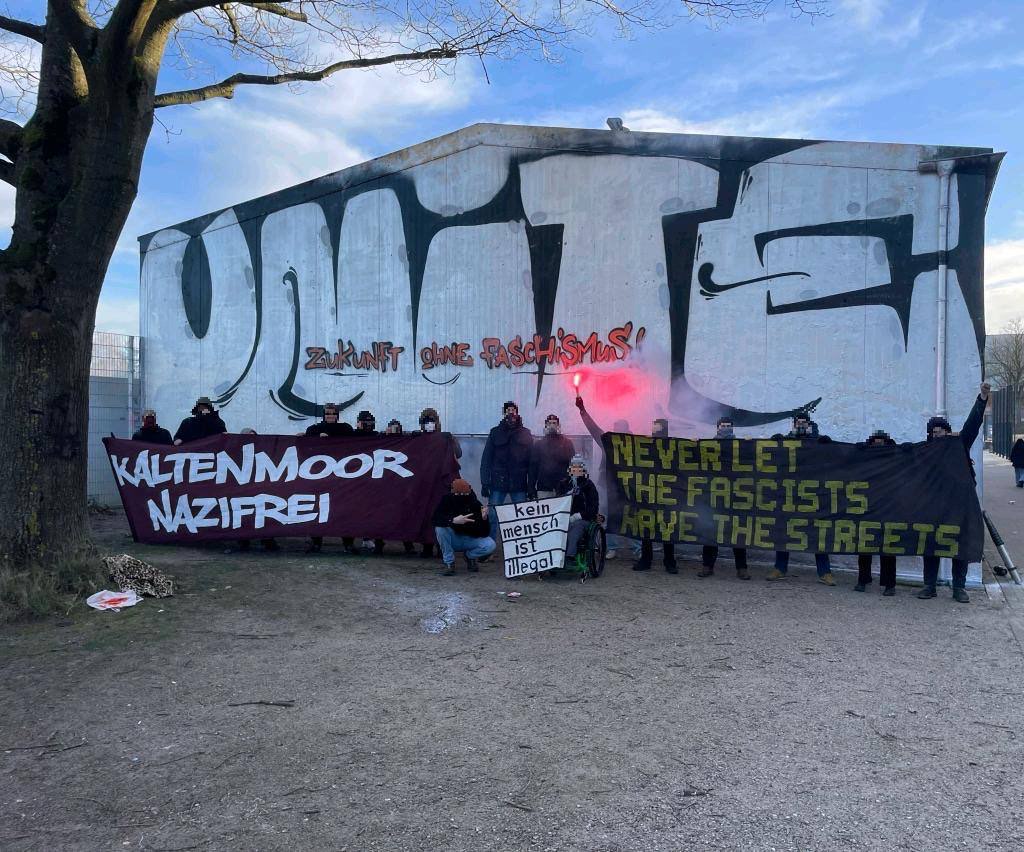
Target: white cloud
column 962, row 31
column 118, row 314
column 1004, row 283
column 864, row 13
column 266, row 139
column 879, row 19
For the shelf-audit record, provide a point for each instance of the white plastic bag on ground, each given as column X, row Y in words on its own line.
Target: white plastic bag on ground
column 113, row 600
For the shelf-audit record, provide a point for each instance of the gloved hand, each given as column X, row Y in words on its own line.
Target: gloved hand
column 485, row 491
column 531, row 495
column 579, row 403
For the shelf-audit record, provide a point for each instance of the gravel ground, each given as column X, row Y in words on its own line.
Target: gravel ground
column 635, row 712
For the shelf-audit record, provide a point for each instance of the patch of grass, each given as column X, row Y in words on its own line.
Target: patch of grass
column 38, row 592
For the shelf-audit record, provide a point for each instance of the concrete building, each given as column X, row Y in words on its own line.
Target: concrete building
column 682, row 276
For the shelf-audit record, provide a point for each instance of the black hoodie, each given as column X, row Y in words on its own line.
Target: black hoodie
column 332, row 430
column 153, row 435
column 452, row 505
column 200, row 426
column 1017, row 453
column 549, row 461
column 586, row 501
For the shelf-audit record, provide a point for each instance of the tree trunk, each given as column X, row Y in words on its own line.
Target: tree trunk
column 76, row 176
column 44, row 422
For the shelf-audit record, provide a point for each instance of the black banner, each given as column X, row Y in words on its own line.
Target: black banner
column 260, row 486
column 771, row 494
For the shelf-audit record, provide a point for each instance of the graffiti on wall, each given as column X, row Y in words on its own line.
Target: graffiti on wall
column 717, row 237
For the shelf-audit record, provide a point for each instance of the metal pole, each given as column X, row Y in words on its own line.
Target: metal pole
column 997, row 540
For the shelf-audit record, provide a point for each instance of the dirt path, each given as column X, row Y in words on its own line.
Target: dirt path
column 636, row 712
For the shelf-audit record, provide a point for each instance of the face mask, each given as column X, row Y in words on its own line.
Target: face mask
column 725, row 432
column 149, row 422
column 512, row 419
column 429, row 426
column 552, row 429
column 802, row 429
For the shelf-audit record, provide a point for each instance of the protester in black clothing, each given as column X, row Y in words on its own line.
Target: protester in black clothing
column 366, row 427
column 939, row 429
column 709, row 553
column 151, row 432
column 331, row 425
column 430, row 423
column 1017, row 460
column 460, row 523
column 886, row 563
column 804, row 429
column 659, row 429
column 269, row 545
column 585, row 503
column 203, row 423
column 549, row 460
column 505, row 464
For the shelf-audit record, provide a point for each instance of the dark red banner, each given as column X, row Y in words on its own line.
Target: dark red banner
column 262, row 486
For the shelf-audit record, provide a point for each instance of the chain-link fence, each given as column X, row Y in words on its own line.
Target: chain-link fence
column 1007, row 420
column 114, row 395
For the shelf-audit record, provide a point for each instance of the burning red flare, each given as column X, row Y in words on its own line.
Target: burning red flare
column 576, row 380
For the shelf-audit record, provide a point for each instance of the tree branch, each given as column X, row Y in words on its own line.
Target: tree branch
column 276, row 9
column 10, row 138
column 36, row 32
column 77, row 26
column 226, row 88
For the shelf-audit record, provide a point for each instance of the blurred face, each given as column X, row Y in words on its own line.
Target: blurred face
column 330, row 415
column 205, row 409
column 394, row 429
column 428, row 425
column 552, row 426
column 725, row 429
column 512, row 415
column 367, row 424
column 577, row 470
column 940, row 432
column 659, row 429
column 802, row 426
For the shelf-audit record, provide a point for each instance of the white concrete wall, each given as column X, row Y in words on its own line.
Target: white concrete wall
column 476, row 283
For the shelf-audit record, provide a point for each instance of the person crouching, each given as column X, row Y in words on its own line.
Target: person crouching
column 460, row 524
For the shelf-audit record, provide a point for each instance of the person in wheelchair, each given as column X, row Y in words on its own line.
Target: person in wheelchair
column 585, row 504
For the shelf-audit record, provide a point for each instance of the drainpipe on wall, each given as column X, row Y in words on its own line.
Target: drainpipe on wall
column 944, row 169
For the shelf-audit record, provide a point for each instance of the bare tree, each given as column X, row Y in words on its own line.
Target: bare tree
column 1004, row 358
column 87, row 74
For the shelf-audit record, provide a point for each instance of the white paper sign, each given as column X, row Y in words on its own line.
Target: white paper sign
column 533, row 534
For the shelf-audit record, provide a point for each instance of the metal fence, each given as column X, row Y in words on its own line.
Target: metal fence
column 114, row 395
column 1007, row 419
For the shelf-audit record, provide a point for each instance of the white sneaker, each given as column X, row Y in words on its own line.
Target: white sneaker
column 609, row 554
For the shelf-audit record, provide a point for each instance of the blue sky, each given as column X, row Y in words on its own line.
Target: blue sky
column 934, row 71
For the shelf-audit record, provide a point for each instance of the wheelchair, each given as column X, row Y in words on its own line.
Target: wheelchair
column 590, row 554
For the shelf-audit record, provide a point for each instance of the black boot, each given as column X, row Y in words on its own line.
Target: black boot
column 314, row 546
column 706, row 571
column 860, row 587
column 670, row 566
column 428, row 551
column 409, row 548
column 471, row 565
column 449, row 569
column 926, row 592
column 378, row 548
column 642, row 565
column 961, row 596
column 889, row 591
